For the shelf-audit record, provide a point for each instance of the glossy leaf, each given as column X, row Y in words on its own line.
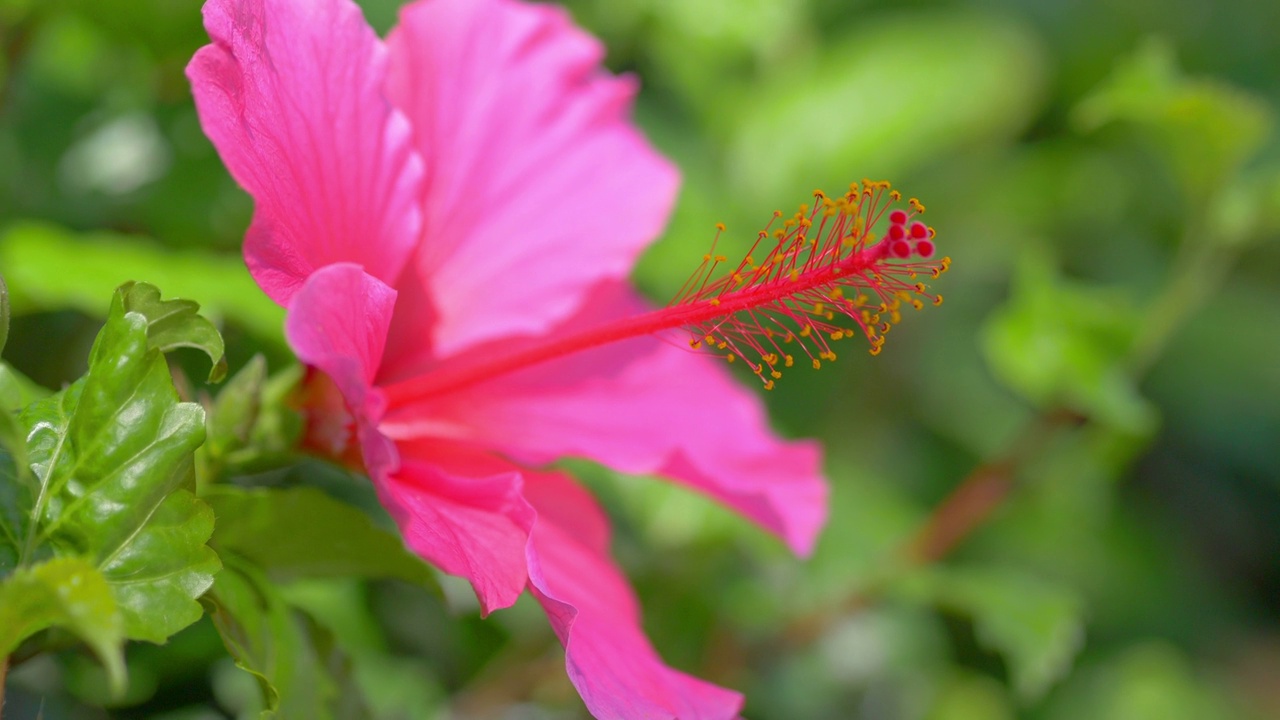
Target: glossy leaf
column 172, row 324
column 113, row 454
column 68, row 593
column 303, row 533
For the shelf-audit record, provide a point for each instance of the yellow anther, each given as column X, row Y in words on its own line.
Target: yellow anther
column 721, row 258
column 720, row 227
column 788, row 361
column 875, row 350
column 705, row 258
column 722, row 346
column 818, row 194
column 806, row 331
column 714, row 302
column 794, row 275
column 818, row 308
column 776, row 374
column 917, row 304
column 710, row 340
column 885, row 328
column 729, row 357
column 837, row 335
column 816, row 364
column 895, row 317
column 937, row 300
column 695, row 344
column 768, row 384
column 895, row 196
column 920, row 288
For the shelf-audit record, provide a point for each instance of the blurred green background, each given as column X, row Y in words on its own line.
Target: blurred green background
column 1057, row 496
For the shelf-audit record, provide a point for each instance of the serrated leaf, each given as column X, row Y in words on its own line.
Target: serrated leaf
column 1206, row 129
column 303, row 533
column 172, row 324
column 1037, row 626
column 69, row 593
column 113, row 454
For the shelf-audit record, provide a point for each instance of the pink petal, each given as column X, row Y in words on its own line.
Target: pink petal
column 291, row 95
column 464, row 513
column 538, row 185
column 595, row 614
column 337, row 322
column 640, row 406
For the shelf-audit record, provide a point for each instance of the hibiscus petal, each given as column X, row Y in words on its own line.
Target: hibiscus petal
column 538, row 185
column 640, row 406
column 595, row 615
column 337, row 322
column 464, row 513
column 291, row 95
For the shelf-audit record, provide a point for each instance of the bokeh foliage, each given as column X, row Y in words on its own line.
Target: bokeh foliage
column 1106, row 177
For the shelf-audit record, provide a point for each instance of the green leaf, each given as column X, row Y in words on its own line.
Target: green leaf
column 35, row 257
column 1037, row 626
column 1205, row 129
column 1064, row 344
column 114, row 457
column 268, row 640
column 69, row 593
column 303, row 533
column 172, row 324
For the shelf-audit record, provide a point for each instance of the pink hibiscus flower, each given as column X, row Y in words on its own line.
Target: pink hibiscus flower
column 437, row 211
